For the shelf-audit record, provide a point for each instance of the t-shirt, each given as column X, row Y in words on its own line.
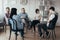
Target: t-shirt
column 37, row 16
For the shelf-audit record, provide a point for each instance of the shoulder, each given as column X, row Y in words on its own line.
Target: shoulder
column 26, row 14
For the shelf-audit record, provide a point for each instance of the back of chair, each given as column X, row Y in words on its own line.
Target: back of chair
column 56, row 18
column 13, row 24
column 53, row 22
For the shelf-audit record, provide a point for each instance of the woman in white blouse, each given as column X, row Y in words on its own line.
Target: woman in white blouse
column 36, row 19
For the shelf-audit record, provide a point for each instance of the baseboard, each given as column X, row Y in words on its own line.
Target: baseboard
column 57, row 26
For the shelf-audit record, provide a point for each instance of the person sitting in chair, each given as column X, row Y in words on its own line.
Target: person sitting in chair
column 19, row 21
column 24, row 16
column 36, row 19
column 52, row 18
column 7, row 15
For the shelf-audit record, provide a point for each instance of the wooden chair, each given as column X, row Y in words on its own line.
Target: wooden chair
column 2, row 23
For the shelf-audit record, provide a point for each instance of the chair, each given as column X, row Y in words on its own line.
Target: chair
column 5, row 24
column 13, row 27
column 52, row 34
column 2, row 24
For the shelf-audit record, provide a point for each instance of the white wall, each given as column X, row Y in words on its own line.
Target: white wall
column 1, row 9
column 30, row 7
column 57, row 6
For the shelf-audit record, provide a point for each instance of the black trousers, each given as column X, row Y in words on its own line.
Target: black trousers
column 40, row 27
column 33, row 23
column 44, row 27
column 22, row 33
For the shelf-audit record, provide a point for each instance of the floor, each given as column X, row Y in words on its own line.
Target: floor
column 28, row 36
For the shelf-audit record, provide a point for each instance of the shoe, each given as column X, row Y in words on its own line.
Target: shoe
column 41, row 36
column 47, row 35
column 16, row 34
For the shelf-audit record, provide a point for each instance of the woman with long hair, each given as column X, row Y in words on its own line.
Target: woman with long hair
column 19, row 22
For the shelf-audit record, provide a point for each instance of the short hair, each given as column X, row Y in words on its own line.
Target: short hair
column 52, row 8
column 36, row 10
column 7, row 8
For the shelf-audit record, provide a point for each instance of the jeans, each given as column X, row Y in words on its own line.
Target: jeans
column 22, row 33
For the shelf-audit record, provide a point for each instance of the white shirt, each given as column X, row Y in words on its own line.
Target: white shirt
column 37, row 16
column 50, row 18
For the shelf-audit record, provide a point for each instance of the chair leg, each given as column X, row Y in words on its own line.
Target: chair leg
column 47, row 38
column 50, row 35
column 10, row 35
column 3, row 28
column 22, row 38
column 53, row 38
column 16, row 35
column 54, row 34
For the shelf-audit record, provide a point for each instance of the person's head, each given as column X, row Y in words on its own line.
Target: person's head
column 23, row 10
column 13, row 12
column 37, row 11
column 7, row 9
column 51, row 9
